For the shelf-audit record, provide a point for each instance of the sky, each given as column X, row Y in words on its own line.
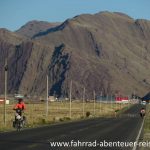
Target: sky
column 15, row 13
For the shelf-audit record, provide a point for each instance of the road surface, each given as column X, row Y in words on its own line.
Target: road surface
column 93, row 131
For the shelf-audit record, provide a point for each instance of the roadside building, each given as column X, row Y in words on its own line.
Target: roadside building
column 121, row 99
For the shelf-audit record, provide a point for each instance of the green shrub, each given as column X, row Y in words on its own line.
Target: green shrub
column 88, row 114
column 61, row 119
column 116, row 110
column 42, row 121
column 67, row 118
column 82, row 117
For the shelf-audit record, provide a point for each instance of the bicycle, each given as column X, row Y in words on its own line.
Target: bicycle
column 19, row 121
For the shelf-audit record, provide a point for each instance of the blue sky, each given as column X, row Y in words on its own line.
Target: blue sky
column 15, row 13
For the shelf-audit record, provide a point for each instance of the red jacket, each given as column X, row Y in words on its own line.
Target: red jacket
column 20, row 106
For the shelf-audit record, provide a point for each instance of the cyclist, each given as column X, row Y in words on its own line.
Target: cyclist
column 19, row 107
column 142, row 112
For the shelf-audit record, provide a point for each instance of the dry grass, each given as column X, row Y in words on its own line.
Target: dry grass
column 58, row 111
column 145, row 137
column 147, row 124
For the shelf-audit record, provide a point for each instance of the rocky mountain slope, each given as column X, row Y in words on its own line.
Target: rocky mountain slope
column 34, row 27
column 105, row 52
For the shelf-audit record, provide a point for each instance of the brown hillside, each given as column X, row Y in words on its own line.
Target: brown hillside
column 34, row 27
column 105, row 52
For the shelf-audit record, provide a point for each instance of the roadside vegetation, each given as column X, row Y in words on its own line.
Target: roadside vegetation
column 146, row 130
column 60, row 112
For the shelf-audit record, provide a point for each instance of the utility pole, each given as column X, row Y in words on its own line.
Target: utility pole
column 94, row 101
column 47, row 97
column 6, row 69
column 134, row 95
column 70, row 98
column 107, row 99
column 100, row 109
column 111, row 102
column 83, row 102
column 128, row 101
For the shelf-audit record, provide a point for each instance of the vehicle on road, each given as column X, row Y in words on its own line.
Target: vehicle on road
column 143, row 102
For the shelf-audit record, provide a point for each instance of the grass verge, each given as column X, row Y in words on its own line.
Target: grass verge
column 59, row 112
column 145, row 137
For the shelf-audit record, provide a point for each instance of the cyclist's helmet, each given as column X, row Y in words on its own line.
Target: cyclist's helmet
column 20, row 100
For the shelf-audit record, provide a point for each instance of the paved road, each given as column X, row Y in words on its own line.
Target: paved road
column 124, row 128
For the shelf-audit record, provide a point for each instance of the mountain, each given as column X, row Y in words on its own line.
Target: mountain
column 33, row 27
column 8, row 43
column 10, row 37
column 105, row 52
